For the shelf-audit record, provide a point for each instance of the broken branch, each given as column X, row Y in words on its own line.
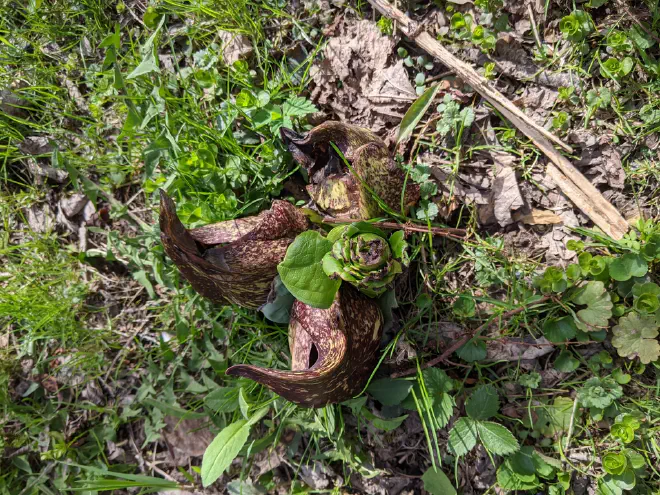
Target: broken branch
column 572, row 183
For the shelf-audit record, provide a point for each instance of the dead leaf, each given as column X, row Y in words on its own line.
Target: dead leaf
column 234, row 46
column 72, row 205
column 40, row 172
column 36, row 145
column 602, row 165
column 40, row 218
column 514, row 349
column 374, row 91
column 537, row 217
column 555, row 241
column 187, row 438
column 505, row 194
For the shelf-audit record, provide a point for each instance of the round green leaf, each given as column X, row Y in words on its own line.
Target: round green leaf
column 388, row 391
column 302, row 270
column 473, row 350
column 559, row 329
column 437, row 483
column 464, row 306
column 566, row 362
column 628, row 266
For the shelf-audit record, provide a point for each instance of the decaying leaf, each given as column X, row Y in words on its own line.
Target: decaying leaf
column 233, row 261
column 333, row 351
column 334, row 187
column 374, row 91
column 234, row 46
column 636, row 336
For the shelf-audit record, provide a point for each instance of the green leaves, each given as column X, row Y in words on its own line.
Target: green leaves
column 576, row 26
column 628, row 266
column 416, row 112
column 483, row 403
column 463, row 436
column 496, row 438
column 614, row 463
column 362, row 256
column 599, row 393
column 222, row 451
column 302, row 273
column 559, row 330
column 615, row 68
column 437, row 483
column 390, row 392
column 599, row 306
column 635, row 336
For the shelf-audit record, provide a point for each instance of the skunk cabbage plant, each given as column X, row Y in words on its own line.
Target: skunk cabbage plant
column 334, row 329
column 333, row 351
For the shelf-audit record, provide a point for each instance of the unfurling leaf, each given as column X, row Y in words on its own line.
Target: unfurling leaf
column 362, row 256
column 233, row 261
column 635, row 336
column 345, row 192
column 333, row 351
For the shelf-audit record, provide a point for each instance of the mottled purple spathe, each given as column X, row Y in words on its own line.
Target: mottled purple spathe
column 233, row 261
column 346, row 336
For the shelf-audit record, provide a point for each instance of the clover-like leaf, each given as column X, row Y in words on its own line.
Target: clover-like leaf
column 628, row 266
column 635, row 336
column 599, row 306
column 302, row 272
column 599, row 393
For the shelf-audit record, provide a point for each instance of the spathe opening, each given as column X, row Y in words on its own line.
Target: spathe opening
column 313, row 356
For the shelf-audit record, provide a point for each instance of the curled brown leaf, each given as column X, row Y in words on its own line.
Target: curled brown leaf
column 336, row 189
column 333, row 351
column 234, row 261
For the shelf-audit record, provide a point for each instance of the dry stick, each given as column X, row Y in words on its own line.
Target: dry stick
column 461, row 342
column 574, row 185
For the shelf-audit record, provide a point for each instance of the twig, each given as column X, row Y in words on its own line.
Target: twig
column 573, row 184
column 460, row 234
column 466, row 337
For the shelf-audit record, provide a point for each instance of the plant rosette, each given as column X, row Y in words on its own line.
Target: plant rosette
column 315, row 266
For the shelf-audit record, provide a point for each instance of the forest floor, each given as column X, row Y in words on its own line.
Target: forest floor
column 112, row 367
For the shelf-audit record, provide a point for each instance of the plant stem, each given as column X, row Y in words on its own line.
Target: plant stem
column 460, row 234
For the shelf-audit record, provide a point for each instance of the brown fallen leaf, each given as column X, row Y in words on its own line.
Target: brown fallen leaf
column 375, row 90
column 537, row 217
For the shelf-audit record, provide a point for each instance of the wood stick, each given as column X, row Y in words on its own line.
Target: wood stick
column 572, row 183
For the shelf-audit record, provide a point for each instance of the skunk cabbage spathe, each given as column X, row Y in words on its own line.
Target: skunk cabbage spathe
column 334, row 187
column 333, row 351
column 234, row 261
